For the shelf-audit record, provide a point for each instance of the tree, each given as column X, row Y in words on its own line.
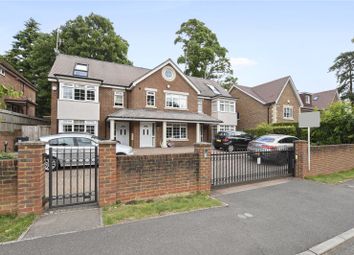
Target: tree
column 93, row 37
column 344, row 68
column 337, row 124
column 42, row 58
column 203, row 56
column 7, row 92
column 22, row 47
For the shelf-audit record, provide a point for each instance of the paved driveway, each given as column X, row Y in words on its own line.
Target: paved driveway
column 284, row 219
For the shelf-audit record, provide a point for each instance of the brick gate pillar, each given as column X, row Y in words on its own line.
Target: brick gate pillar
column 204, row 174
column 107, row 173
column 301, row 166
column 30, row 178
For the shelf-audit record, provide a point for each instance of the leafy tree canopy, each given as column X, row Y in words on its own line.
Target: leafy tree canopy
column 22, row 46
column 93, row 37
column 33, row 52
column 203, row 56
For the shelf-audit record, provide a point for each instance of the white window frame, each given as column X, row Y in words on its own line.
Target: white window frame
column 150, row 93
column 307, row 99
column 86, row 87
column 178, row 98
column 72, row 123
column 83, row 68
column 228, row 106
column 227, row 127
column 288, row 112
column 118, row 93
column 200, row 105
column 172, row 126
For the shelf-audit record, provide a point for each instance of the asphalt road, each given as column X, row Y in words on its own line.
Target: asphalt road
column 285, row 219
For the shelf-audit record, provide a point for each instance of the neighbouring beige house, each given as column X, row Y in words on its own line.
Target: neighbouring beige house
column 277, row 101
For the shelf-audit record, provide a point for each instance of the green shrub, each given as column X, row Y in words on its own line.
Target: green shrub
column 265, row 129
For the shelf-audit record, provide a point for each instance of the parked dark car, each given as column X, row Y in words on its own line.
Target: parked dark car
column 232, row 140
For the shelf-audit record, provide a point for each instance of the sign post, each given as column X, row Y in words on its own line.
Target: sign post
column 309, row 120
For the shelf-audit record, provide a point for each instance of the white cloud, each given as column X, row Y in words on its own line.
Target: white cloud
column 242, row 62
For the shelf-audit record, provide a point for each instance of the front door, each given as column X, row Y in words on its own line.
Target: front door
column 122, row 132
column 147, row 134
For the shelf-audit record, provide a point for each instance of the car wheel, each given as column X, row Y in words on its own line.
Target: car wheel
column 55, row 164
column 230, row 148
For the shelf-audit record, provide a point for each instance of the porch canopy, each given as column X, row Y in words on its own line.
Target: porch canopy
column 161, row 116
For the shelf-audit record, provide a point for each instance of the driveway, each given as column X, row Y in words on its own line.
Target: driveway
column 284, row 219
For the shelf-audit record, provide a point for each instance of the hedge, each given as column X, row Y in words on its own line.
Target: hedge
column 278, row 128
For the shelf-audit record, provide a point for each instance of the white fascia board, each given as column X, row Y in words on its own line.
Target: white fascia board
column 293, row 88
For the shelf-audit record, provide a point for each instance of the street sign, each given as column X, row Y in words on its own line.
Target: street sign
column 309, row 119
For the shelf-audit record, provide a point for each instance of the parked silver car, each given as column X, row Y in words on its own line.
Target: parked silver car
column 272, row 147
column 75, row 149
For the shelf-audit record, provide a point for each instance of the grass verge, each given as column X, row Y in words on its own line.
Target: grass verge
column 12, row 226
column 333, row 178
column 143, row 209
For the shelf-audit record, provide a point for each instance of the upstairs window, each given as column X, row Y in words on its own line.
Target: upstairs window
column 78, row 92
column 200, row 105
column 150, row 99
column 227, row 106
column 176, row 101
column 118, row 99
column 81, row 70
column 308, row 99
column 288, row 112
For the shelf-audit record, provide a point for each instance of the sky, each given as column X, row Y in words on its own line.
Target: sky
column 266, row 40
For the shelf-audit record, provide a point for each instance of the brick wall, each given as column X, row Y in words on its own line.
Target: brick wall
column 288, row 97
column 148, row 176
column 251, row 111
column 325, row 159
column 8, row 186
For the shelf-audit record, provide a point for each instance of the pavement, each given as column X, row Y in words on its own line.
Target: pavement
column 346, row 248
column 61, row 221
column 287, row 218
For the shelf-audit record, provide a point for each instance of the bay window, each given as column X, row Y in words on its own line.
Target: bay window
column 81, row 126
column 176, row 131
column 78, row 92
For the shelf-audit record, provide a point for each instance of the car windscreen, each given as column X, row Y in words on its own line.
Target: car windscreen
column 266, row 139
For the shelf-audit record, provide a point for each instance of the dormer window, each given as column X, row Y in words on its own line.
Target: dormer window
column 81, row 70
column 308, row 99
column 315, row 98
column 214, row 89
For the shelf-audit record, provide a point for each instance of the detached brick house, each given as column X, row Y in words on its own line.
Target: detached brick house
column 137, row 106
column 276, row 101
column 320, row 100
column 11, row 78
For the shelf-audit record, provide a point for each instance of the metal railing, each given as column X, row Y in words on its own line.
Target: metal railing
column 245, row 166
column 71, row 176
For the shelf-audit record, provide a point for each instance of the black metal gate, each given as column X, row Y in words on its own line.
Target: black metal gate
column 245, row 166
column 71, row 176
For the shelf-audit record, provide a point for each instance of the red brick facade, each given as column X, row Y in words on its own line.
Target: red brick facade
column 107, row 174
column 325, row 159
column 26, row 104
column 8, row 186
column 30, row 178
